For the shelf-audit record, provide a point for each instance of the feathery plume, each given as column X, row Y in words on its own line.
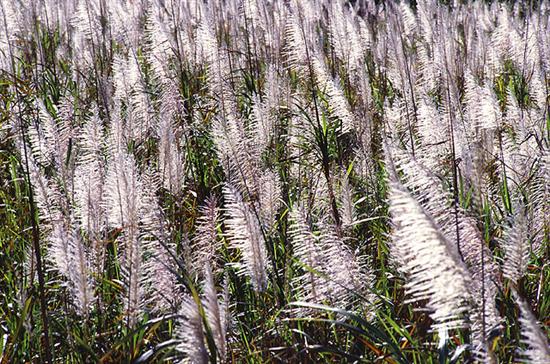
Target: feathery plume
column 338, row 104
column 269, row 199
column 245, row 234
column 206, row 242
column 332, row 274
column 206, row 317
column 464, row 238
column 71, row 257
column 312, row 283
column 124, row 204
column 515, row 242
column 189, row 331
column 216, row 313
column 159, row 270
column 537, row 349
column 434, row 269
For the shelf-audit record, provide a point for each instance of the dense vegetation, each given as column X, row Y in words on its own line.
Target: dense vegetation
column 274, row 181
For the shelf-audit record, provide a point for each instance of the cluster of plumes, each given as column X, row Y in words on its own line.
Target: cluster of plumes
column 332, row 273
column 459, row 127
column 99, row 163
column 434, row 267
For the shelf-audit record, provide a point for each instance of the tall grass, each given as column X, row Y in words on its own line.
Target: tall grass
column 282, row 181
